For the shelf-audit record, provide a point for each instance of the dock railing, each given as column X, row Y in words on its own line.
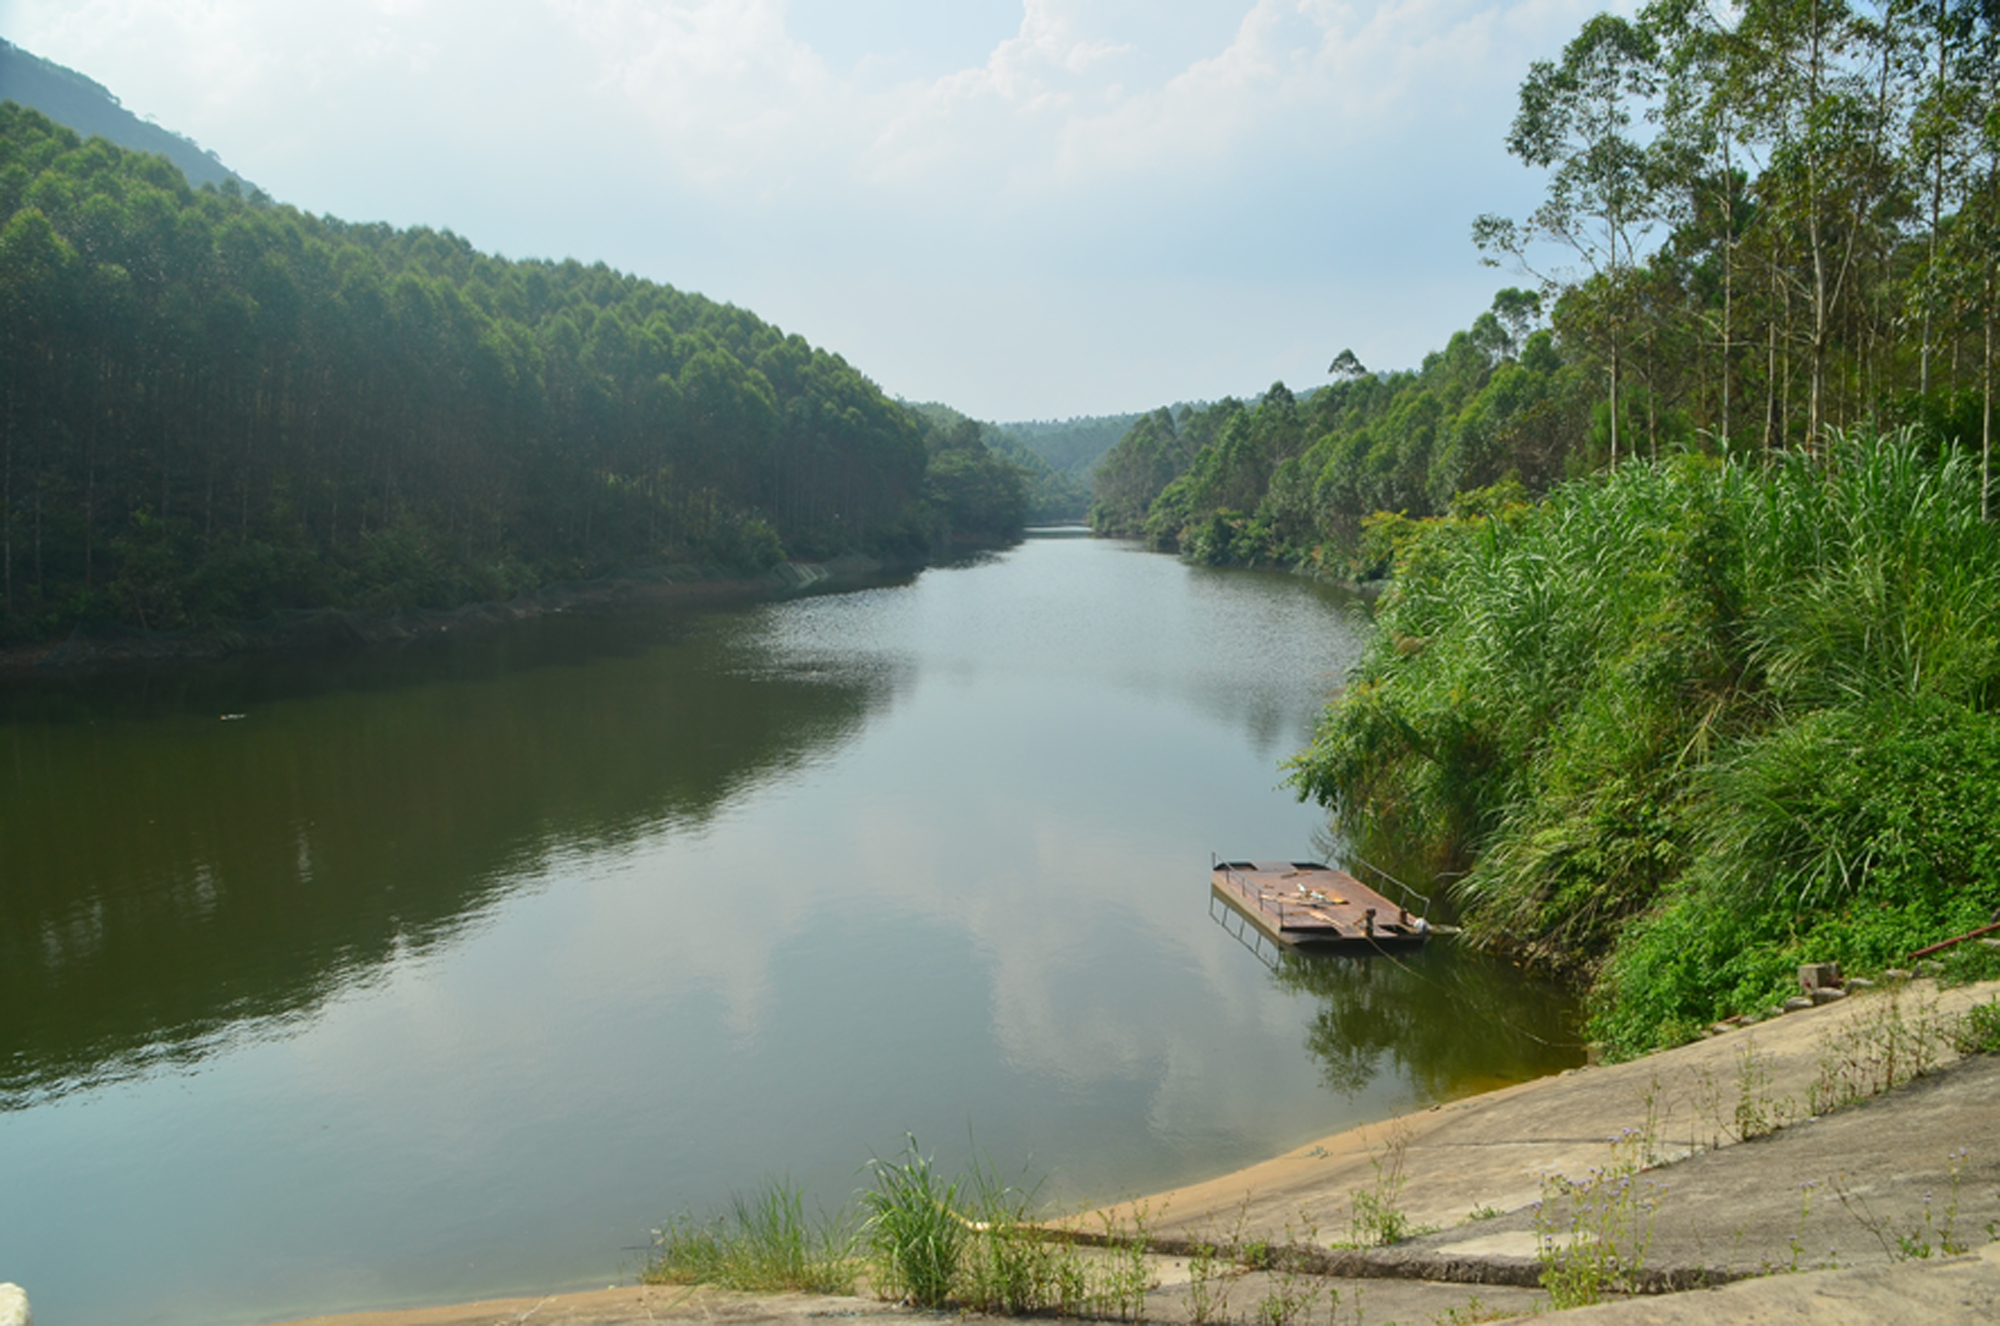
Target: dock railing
column 1405, row 897
column 1266, row 902
column 1417, row 904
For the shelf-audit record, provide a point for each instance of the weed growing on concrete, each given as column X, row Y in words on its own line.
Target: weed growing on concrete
column 1006, row 1268
column 1473, row 1313
column 1602, row 1249
column 1757, row 1114
column 1649, row 1154
column 1210, row 1276
column 1798, row 1240
column 1978, row 1030
column 764, row 1244
column 1378, row 1215
column 1933, row 1231
column 1754, row 1112
column 1879, row 1052
column 972, row 1241
column 1125, row 1275
column 1290, row 1300
column 1212, row 1271
column 1003, row 1261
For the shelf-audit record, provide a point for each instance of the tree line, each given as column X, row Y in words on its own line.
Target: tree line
column 1701, row 684
column 1763, row 221
column 214, row 406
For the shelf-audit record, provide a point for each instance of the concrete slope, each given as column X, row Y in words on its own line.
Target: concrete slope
column 1494, row 1154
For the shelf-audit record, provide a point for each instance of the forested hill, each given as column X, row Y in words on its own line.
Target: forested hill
column 1070, row 446
column 1051, row 494
column 88, row 107
column 214, row 406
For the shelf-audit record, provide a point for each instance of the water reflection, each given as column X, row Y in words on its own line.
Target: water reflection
column 1452, row 1021
column 519, row 946
column 177, row 880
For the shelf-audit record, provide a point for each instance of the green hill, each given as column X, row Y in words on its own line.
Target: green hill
column 214, row 407
column 89, row 107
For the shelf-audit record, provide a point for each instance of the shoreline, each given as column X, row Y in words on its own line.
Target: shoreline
column 94, row 649
column 1471, row 1176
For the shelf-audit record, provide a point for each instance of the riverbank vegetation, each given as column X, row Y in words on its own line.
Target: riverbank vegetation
column 974, row 1242
column 1690, row 670
column 217, row 407
column 1686, row 725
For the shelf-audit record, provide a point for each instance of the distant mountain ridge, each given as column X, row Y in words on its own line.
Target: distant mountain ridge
column 87, row 106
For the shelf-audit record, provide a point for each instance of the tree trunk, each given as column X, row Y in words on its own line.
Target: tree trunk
column 1728, row 280
column 1986, row 401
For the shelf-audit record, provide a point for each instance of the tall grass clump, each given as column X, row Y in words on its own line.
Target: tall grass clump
column 1685, row 725
column 914, row 1229
column 765, row 1244
column 971, row 1242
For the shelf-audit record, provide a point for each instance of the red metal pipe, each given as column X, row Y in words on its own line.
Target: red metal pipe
column 1960, row 939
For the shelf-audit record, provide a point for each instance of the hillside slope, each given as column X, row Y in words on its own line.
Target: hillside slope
column 71, row 99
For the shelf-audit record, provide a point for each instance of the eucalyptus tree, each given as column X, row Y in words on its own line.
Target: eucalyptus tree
column 1812, row 80
column 1578, row 120
column 214, row 405
column 1701, row 150
column 1955, row 139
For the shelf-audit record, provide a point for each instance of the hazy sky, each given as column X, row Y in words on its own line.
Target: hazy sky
column 1026, row 210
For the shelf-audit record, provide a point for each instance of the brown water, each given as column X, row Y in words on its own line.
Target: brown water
column 453, row 971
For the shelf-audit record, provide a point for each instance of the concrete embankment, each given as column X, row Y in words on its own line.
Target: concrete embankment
column 1754, row 1198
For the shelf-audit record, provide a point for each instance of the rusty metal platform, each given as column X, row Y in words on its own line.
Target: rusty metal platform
column 1306, row 904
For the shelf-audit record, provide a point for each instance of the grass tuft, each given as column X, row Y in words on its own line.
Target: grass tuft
column 765, row 1244
column 916, row 1236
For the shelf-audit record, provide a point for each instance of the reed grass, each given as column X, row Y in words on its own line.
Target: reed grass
column 915, row 1233
column 971, row 1242
column 1682, row 727
column 766, row 1243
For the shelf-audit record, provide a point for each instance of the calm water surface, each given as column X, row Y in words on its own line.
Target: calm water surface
column 453, row 972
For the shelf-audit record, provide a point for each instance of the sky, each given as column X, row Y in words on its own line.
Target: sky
column 1027, row 210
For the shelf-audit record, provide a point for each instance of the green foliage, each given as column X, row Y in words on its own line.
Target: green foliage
column 1011, row 1266
column 1132, row 477
column 1294, row 480
column 1692, row 724
column 1694, row 304
column 765, row 1244
column 1596, row 1248
column 917, row 1236
column 1978, row 1032
column 1048, row 494
column 975, row 495
column 215, row 407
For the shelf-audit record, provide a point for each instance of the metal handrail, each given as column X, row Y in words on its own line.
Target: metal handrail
column 1423, row 912
column 1265, row 900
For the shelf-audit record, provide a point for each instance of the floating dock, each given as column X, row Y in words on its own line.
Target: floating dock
column 1303, row 904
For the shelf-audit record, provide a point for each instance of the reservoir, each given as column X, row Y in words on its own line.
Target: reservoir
column 453, row 971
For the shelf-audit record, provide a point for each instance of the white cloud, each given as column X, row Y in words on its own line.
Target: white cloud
column 946, row 205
